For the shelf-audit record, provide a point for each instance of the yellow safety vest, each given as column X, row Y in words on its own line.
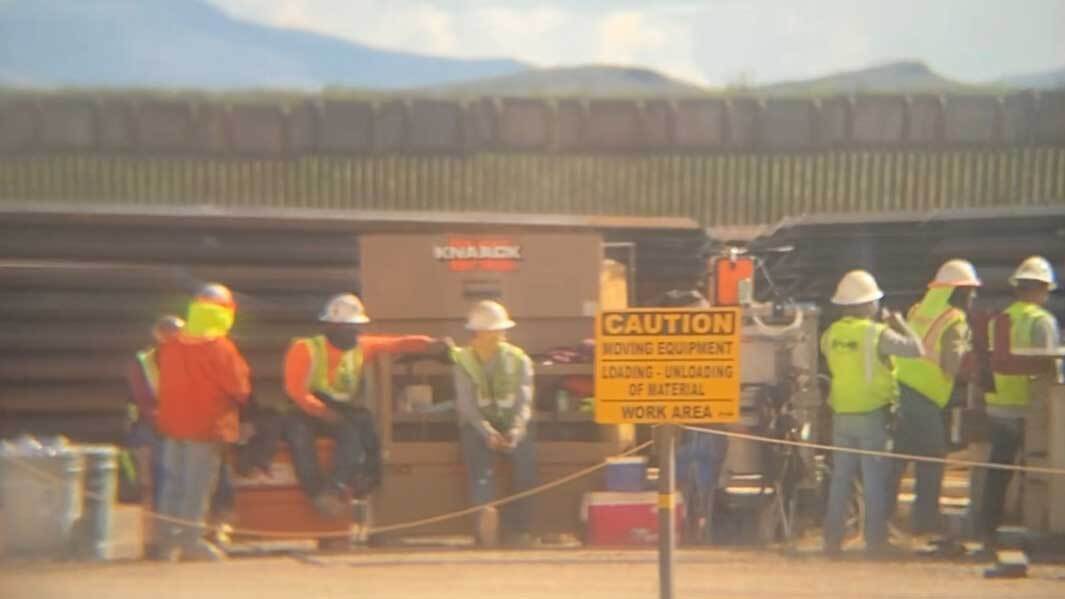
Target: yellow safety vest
column 930, row 319
column 344, row 384
column 497, row 390
column 861, row 379
column 150, row 368
column 1015, row 390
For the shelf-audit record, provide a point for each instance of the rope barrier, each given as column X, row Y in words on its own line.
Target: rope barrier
column 45, row 475
column 557, row 483
column 881, row 454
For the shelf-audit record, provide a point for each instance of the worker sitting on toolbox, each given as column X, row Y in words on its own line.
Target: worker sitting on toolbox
column 494, row 393
column 324, row 378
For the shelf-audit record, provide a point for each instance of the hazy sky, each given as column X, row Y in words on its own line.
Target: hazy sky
column 710, row 41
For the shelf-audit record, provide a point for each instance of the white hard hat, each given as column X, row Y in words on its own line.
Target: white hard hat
column 216, row 293
column 1035, row 268
column 168, row 323
column 489, row 316
column 345, row 308
column 956, row 273
column 857, row 287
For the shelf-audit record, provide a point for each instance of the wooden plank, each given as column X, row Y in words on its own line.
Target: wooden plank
column 103, row 366
column 80, row 427
column 144, row 307
column 53, row 397
column 160, row 245
column 38, row 274
column 131, row 334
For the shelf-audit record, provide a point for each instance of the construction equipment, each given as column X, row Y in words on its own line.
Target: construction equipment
column 770, row 492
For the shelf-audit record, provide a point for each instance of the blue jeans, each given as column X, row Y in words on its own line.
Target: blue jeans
column 1007, row 438
column 190, row 474
column 356, row 453
column 223, row 500
column 921, row 431
column 859, row 431
column 481, row 467
column 704, row 453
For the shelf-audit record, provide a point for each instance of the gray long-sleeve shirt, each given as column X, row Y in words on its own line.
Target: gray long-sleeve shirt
column 470, row 413
column 907, row 345
column 1045, row 332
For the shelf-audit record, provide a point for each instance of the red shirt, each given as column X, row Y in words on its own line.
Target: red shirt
column 202, row 383
column 298, row 364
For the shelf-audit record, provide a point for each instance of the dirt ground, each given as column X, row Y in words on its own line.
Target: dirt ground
column 524, row 574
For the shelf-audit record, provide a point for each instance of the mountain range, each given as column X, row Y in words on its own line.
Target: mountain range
column 193, row 44
column 183, row 44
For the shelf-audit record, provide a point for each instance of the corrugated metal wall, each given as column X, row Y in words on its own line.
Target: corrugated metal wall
column 76, row 302
column 79, row 293
column 904, row 251
column 714, row 189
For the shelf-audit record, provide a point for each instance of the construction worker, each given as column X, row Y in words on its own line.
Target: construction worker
column 926, row 384
column 203, row 381
column 494, row 395
column 859, row 351
column 143, row 379
column 1024, row 326
column 701, row 455
column 324, row 378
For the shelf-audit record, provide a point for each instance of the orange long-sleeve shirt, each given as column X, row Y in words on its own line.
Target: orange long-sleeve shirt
column 202, row 384
column 298, row 364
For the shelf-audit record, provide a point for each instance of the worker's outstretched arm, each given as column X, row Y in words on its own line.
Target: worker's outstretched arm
column 406, row 344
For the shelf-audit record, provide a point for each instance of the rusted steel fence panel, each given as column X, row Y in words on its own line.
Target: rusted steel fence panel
column 714, row 188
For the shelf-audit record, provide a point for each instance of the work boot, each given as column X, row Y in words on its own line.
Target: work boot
column 487, row 527
column 329, row 505
column 221, row 535
column 833, row 550
column 519, row 540
column 334, row 544
column 886, row 551
column 167, row 554
column 202, row 551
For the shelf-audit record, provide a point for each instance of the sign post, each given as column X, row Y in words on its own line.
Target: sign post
column 667, row 507
column 667, row 367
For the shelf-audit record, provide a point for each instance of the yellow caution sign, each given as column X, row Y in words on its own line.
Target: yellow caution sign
column 667, row 365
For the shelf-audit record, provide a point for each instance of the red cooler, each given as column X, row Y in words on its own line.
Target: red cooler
column 624, row 519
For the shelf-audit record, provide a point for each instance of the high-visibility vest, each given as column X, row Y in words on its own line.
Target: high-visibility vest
column 344, row 384
column 861, row 379
column 930, row 319
column 150, row 368
column 497, row 389
column 1015, row 390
